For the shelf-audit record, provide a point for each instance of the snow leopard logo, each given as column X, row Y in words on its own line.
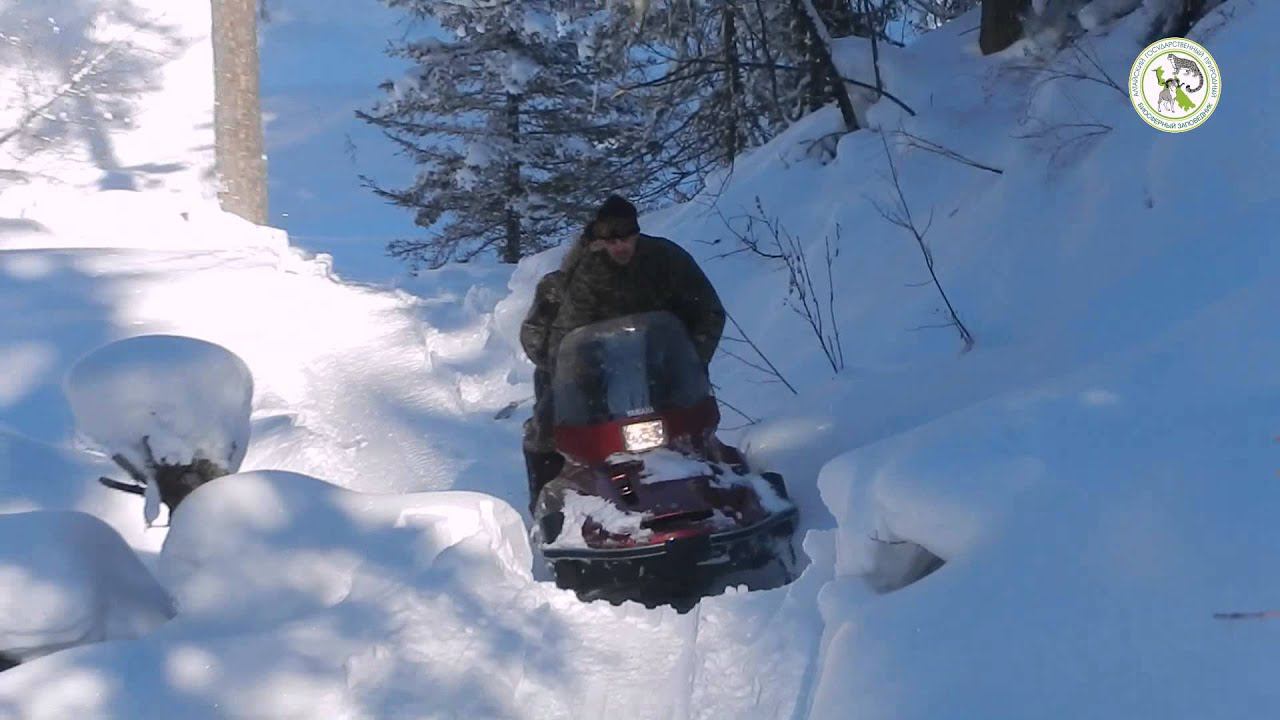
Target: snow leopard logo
column 1175, row 85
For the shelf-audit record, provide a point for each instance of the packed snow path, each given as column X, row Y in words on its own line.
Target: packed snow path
column 354, row 386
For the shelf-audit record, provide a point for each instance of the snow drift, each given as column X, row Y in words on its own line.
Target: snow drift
column 68, row 579
column 273, row 545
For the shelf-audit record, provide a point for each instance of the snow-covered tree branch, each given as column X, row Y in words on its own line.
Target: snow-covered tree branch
column 82, row 75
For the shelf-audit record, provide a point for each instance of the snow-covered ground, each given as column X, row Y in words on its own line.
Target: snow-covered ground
column 1098, row 472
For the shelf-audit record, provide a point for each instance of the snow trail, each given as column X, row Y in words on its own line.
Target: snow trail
column 383, row 392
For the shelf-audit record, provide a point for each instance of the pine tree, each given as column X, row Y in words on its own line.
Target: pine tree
column 725, row 76
column 710, row 75
column 515, row 134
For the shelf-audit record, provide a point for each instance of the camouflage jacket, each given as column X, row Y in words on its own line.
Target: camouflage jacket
column 535, row 331
column 590, row 287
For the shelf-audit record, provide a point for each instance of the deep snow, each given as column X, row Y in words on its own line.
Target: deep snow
column 70, row 579
column 1097, row 473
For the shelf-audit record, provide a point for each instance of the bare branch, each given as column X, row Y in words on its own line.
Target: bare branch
column 939, row 326
column 750, row 420
column 1063, row 136
column 773, row 368
column 916, row 141
column 779, row 66
column 745, row 361
column 1263, row 615
column 123, row 487
column 128, row 466
column 1078, row 61
column 902, row 218
column 831, row 293
column 803, row 296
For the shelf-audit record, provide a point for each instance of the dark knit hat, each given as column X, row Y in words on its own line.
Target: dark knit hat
column 616, row 217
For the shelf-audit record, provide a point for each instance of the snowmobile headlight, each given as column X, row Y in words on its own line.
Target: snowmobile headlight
column 644, row 435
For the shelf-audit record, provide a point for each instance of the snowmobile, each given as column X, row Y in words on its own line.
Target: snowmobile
column 650, row 505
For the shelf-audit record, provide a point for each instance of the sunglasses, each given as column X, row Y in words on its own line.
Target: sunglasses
column 618, row 239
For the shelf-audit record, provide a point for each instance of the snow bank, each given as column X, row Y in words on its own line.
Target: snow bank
column 127, row 219
column 275, row 545
column 1070, row 469
column 1093, row 527
column 321, row 60
column 66, row 579
column 298, row 599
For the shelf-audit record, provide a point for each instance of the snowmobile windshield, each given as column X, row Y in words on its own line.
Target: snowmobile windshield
column 625, row 367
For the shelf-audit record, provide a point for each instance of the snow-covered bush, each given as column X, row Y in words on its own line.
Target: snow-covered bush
column 172, row 411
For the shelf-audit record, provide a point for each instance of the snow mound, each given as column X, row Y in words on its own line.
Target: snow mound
column 66, row 579
column 165, row 398
column 1092, row 540
column 437, row 617
column 271, row 545
column 299, row 599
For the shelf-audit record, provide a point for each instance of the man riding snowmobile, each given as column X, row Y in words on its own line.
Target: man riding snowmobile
column 613, row 270
column 649, row 505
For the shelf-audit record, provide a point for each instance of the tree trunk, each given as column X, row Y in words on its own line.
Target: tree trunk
column 733, row 81
column 814, row 87
column 1181, row 22
column 1001, row 24
column 820, row 46
column 839, row 15
column 872, row 28
column 515, row 190
column 237, row 114
column 775, row 107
